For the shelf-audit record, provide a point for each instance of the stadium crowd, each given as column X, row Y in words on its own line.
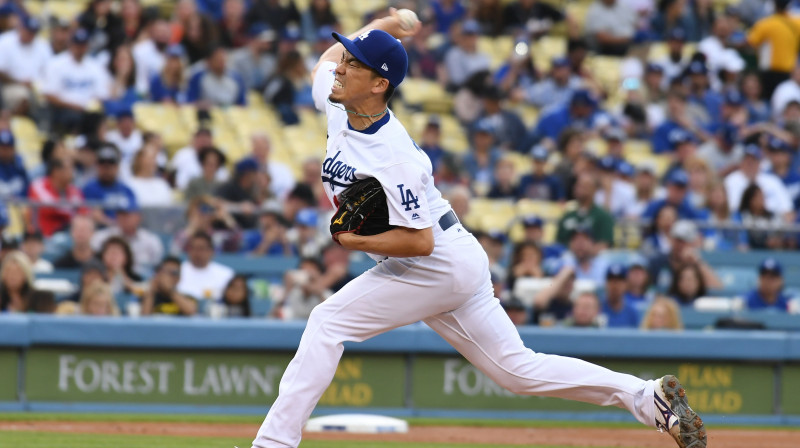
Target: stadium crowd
column 696, row 149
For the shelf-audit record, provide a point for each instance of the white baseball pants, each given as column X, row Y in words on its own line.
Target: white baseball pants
column 450, row 291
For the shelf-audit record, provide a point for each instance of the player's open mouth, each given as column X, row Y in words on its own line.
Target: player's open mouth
column 337, row 84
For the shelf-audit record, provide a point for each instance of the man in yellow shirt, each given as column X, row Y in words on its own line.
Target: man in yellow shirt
column 777, row 39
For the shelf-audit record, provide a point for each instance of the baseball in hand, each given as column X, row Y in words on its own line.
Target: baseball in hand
column 407, row 18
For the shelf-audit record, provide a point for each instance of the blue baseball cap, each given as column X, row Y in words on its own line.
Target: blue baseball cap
column 770, row 266
column 582, row 97
column 679, row 136
column 752, row 150
column 307, row 217
column 626, row 169
column 380, row 51
column 616, row 271
column 730, row 133
column 3, row 215
column 676, row 34
column 484, row 125
column 653, row 67
column 80, row 36
column 532, row 221
column 539, row 153
column 246, row 166
column 607, row 163
column 6, row 138
column 734, row 98
column 129, row 206
column 560, row 61
column 697, row 68
column 678, row 177
column 31, row 23
column 261, row 31
column 497, row 236
column 292, row 34
column 471, row 26
column 175, row 51
column 583, row 229
column 325, row 33
column 777, row 144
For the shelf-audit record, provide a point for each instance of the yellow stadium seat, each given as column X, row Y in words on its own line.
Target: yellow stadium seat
column 497, row 222
column 660, row 162
column 16, row 222
column 360, row 8
column 637, row 146
column 164, row 120
column 529, row 114
column 546, row 210
column 597, row 146
column 428, row 94
column 479, row 207
column 522, row 163
column 607, row 70
column 578, row 11
column 29, row 140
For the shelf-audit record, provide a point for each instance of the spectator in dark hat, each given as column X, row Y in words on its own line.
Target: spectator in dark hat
column 23, row 57
column 73, row 84
column 541, row 185
column 585, row 255
column 106, row 191
column 581, row 112
column 516, row 311
column 677, row 186
column 654, row 81
column 480, row 161
column 33, row 246
column 618, row 311
column 14, row 181
column 587, row 213
column 637, row 290
column 675, row 61
column 240, row 193
column 431, row 142
column 769, row 293
column 255, row 63
column 509, row 131
column 682, row 148
column 556, row 88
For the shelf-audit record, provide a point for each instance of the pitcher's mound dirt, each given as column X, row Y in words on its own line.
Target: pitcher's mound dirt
column 577, row 437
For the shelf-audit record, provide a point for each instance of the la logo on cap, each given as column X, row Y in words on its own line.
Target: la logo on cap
column 385, row 67
column 365, row 35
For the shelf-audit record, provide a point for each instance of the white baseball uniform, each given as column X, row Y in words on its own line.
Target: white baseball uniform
column 449, row 290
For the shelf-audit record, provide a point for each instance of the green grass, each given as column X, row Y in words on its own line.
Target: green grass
column 50, row 440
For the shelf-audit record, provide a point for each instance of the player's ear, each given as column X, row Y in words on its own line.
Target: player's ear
column 380, row 85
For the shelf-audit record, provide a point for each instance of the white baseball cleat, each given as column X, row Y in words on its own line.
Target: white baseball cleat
column 674, row 415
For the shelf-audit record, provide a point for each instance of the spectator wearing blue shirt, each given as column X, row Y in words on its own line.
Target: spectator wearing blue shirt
column 431, row 143
column 677, row 188
column 480, row 161
column 168, row 86
column 13, row 176
column 769, row 293
column 533, row 227
column 683, row 147
column 637, row 291
column 214, row 85
column 581, row 113
column 679, row 115
column 540, row 185
column 780, row 156
column 584, row 255
column 702, row 94
column 446, row 13
column 619, row 312
column 557, row 88
column 106, row 189
column 509, row 131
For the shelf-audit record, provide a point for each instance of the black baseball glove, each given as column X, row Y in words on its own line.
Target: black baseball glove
column 362, row 210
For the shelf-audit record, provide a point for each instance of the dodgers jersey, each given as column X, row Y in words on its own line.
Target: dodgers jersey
column 384, row 151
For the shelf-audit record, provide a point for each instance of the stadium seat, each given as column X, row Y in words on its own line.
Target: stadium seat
column 547, row 210
column 736, row 280
column 165, row 120
column 660, row 162
column 64, row 9
column 637, row 147
column 29, row 140
column 479, row 207
column 426, row 94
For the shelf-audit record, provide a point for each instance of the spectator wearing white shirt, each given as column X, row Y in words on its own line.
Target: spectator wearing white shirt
column 281, row 179
column 150, row 189
column 150, row 54
column 128, row 139
column 23, row 57
column 611, row 26
column 786, row 92
column 146, row 245
column 186, row 162
column 201, row 277
column 718, row 56
column 776, row 198
column 73, row 84
column 615, row 194
column 463, row 59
